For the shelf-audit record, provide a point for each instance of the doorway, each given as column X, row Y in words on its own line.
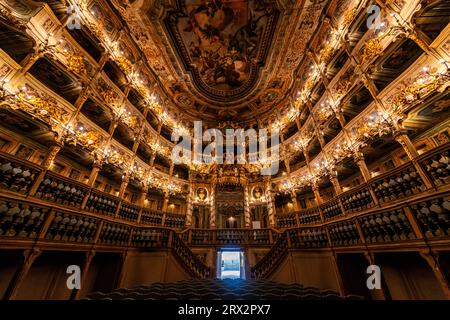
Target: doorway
column 230, row 264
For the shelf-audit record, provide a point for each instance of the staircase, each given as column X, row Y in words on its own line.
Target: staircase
column 197, row 289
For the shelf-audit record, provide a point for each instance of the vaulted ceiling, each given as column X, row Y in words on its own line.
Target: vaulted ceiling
column 227, row 59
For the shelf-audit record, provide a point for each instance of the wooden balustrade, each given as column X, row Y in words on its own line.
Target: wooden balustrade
column 154, row 237
column 115, row 234
column 273, row 258
column 103, row 203
column 331, row 209
column 72, row 228
column 189, row 259
column 386, row 226
column 433, row 216
column 288, row 220
column 151, row 217
column 391, row 227
column 344, row 234
column 357, row 199
column 309, row 216
column 61, row 190
column 176, row 221
column 437, row 164
column 258, row 237
column 21, row 220
column 228, row 237
column 202, row 237
column 17, row 175
column 315, row 237
column 402, row 182
column 423, row 218
column 129, row 212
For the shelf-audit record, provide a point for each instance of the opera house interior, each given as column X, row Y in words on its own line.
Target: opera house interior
column 344, row 196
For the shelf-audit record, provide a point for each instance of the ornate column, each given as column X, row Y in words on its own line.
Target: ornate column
column 411, row 151
column 96, row 167
column 247, row 217
column 340, row 117
column 212, row 213
column 190, row 206
column 335, row 181
column 294, row 201
column 152, row 159
column 164, row 207
column 85, row 93
column 315, row 189
column 46, row 164
column 165, row 201
column 141, row 201
column 171, row 168
column 406, row 143
column 143, row 195
column 123, row 185
column 359, row 160
column 270, row 205
column 114, row 124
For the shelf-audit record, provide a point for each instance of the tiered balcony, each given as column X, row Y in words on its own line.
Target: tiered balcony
column 394, row 209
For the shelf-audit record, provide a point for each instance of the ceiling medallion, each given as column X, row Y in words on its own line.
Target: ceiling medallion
column 222, row 44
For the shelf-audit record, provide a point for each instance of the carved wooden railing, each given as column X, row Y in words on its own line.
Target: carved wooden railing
column 103, row 203
column 421, row 223
column 309, row 216
column 273, row 258
column 286, row 220
column 61, row 190
column 394, row 185
column 189, row 259
column 129, row 212
column 398, row 183
column 19, row 176
column 174, row 220
column 247, row 237
column 436, row 164
column 151, row 217
column 35, row 225
column 389, row 209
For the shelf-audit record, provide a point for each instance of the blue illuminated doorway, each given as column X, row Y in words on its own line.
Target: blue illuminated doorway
column 230, row 264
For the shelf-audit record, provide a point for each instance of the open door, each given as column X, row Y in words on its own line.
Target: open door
column 230, row 264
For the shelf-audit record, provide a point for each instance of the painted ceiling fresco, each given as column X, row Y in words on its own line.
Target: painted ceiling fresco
column 223, row 42
column 226, row 60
